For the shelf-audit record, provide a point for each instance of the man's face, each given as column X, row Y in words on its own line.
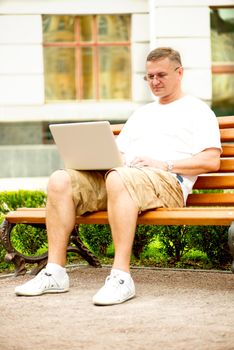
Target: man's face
column 164, row 77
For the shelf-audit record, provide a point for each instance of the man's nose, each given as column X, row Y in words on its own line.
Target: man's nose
column 155, row 79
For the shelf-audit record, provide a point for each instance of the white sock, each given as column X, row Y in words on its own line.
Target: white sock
column 124, row 275
column 57, row 270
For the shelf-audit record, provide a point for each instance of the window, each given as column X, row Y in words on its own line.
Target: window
column 87, row 57
column 222, row 46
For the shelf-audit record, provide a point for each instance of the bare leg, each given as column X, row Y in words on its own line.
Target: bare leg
column 122, row 214
column 60, row 220
column 60, row 216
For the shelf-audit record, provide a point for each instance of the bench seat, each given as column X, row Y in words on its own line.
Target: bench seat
column 160, row 216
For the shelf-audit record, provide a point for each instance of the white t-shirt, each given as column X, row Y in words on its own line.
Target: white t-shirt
column 172, row 131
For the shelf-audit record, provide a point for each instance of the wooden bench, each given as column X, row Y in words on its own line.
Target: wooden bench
column 202, row 209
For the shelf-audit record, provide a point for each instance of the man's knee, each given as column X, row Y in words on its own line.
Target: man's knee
column 59, row 182
column 114, row 182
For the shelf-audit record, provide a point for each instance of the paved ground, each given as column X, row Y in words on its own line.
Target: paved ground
column 173, row 310
column 179, row 310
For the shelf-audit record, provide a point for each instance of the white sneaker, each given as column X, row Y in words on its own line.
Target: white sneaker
column 43, row 283
column 115, row 290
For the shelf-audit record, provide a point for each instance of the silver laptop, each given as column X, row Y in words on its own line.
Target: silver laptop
column 86, row 146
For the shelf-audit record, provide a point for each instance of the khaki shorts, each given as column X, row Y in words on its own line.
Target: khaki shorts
column 148, row 187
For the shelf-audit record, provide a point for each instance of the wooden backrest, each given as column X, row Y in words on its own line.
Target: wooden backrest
column 223, row 179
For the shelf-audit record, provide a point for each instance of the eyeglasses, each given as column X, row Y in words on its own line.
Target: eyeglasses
column 160, row 76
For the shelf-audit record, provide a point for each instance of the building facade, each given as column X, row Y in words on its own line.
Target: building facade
column 78, row 60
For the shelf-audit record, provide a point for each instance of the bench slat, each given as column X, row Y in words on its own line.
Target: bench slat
column 211, row 199
column 227, row 135
column 210, row 181
column 186, row 216
column 226, row 131
column 116, row 128
column 161, row 216
column 226, row 122
column 228, row 150
column 165, row 216
column 227, row 165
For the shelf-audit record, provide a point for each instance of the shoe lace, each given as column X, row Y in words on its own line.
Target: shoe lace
column 46, row 279
column 114, row 281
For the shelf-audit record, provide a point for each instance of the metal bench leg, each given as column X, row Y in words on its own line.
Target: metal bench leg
column 12, row 255
column 79, row 248
column 19, row 260
column 231, row 243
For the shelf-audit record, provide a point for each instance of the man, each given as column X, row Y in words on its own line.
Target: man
column 165, row 145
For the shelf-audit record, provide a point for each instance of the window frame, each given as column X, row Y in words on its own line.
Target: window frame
column 94, row 45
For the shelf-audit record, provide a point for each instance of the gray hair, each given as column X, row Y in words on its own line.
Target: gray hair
column 164, row 52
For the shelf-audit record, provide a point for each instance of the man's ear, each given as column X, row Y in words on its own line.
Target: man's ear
column 181, row 72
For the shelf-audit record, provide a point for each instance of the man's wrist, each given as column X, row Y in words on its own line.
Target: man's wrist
column 169, row 165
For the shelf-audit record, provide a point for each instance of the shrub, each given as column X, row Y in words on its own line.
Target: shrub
column 174, row 240
column 98, row 237
column 17, row 199
column 144, row 235
column 28, row 239
column 212, row 240
column 25, row 239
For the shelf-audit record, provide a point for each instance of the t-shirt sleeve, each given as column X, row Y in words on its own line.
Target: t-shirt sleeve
column 207, row 134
